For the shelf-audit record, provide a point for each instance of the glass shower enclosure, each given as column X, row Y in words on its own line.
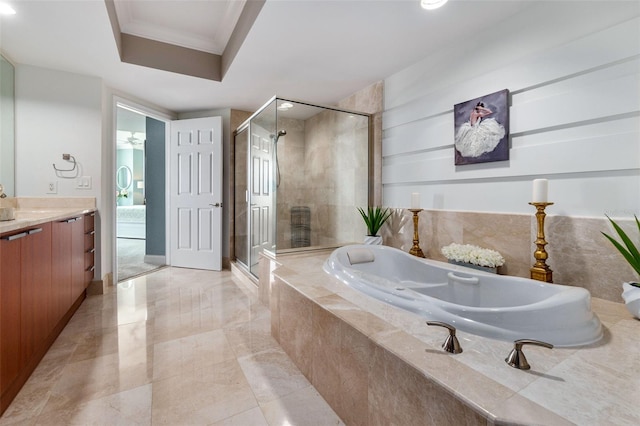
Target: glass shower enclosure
column 300, row 172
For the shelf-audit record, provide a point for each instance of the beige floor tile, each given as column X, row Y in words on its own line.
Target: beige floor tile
column 177, row 346
column 120, row 339
column 251, row 417
column 272, row 374
column 253, row 336
column 27, row 405
column 99, row 377
column 190, row 354
column 132, row 407
column 202, row 397
column 170, row 327
column 304, row 407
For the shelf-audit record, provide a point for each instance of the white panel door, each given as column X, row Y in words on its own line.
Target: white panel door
column 196, row 193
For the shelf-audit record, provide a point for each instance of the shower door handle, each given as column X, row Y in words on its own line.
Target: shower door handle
column 216, row 205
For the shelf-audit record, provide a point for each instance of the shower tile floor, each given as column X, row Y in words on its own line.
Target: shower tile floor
column 176, row 346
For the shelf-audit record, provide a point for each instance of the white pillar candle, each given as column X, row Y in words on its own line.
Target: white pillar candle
column 540, row 189
column 415, row 200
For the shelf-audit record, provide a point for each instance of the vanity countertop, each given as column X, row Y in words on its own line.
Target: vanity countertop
column 32, row 211
column 593, row 384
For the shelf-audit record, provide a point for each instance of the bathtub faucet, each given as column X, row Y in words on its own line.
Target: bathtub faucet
column 516, row 358
column 451, row 344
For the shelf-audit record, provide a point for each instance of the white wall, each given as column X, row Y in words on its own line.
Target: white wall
column 573, row 71
column 59, row 112
column 56, row 113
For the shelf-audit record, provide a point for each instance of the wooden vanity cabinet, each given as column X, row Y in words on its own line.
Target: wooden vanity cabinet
column 10, row 306
column 68, row 264
column 42, row 283
column 36, row 292
column 25, row 295
column 60, row 270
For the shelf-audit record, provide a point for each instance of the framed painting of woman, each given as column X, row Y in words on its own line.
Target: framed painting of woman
column 482, row 129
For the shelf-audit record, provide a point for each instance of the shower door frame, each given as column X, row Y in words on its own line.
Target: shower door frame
column 246, row 125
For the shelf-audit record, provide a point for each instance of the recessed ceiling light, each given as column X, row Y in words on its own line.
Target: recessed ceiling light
column 432, row 4
column 285, row 106
column 6, row 9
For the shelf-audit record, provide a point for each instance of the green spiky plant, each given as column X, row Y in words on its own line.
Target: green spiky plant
column 629, row 250
column 374, row 218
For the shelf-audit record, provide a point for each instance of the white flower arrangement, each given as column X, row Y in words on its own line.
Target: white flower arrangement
column 475, row 255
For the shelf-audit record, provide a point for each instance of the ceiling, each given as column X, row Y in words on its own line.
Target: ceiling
column 201, row 25
column 318, row 51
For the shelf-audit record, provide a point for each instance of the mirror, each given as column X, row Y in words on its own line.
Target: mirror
column 123, row 177
column 7, row 121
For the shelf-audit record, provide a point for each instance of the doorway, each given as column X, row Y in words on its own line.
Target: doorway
column 140, row 193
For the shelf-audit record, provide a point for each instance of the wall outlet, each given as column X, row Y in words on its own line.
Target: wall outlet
column 52, row 187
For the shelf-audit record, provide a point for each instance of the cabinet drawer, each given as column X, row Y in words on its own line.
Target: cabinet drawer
column 89, row 222
column 88, row 275
column 89, row 241
column 89, row 259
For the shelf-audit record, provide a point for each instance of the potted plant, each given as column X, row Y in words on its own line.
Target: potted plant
column 120, row 195
column 473, row 257
column 630, row 290
column 374, row 218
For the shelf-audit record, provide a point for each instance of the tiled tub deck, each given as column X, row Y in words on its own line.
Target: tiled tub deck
column 376, row 364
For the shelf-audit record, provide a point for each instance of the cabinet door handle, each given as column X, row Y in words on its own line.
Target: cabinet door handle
column 91, row 269
column 92, row 215
column 91, row 233
column 15, row 236
column 34, row 231
column 91, row 251
column 73, row 219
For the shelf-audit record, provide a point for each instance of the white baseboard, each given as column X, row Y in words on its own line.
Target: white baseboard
column 155, row 259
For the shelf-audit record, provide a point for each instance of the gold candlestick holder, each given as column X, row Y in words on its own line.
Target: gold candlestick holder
column 415, row 249
column 540, row 270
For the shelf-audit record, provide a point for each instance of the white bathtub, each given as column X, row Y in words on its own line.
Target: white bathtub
column 495, row 306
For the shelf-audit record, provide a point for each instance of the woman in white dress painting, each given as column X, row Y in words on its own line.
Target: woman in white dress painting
column 480, row 134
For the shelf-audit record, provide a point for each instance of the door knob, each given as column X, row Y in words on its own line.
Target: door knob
column 216, row 205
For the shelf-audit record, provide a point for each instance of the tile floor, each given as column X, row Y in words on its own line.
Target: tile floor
column 177, row 347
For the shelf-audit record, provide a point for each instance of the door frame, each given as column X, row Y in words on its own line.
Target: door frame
column 245, row 125
column 138, row 108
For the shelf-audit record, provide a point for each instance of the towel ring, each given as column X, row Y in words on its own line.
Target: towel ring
column 67, row 157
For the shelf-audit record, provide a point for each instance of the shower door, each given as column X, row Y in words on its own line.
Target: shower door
column 261, row 208
column 320, row 168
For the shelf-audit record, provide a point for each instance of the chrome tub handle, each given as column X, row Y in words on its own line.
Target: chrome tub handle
column 451, row 343
column 516, row 358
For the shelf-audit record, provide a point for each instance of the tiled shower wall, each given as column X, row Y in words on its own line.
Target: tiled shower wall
column 290, row 191
column 321, row 168
column 336, row 171
column 579, row 254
